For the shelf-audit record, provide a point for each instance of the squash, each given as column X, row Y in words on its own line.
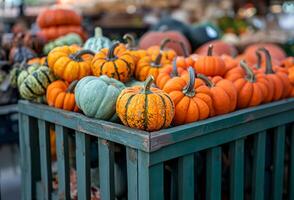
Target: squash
column 191, row 97
column 288, row 62
column 133, row 49
column 144, row 107
column 33, row 82
column 219, row 48
column 69, row 39
column 119, row 66
column 167, row 53
column 55, row 32
column 97, row 42
column 61, row 95
column 223, row 94
column 168, row 72
column 210, row 65
column 40, row 61
column 17, row 68
column 96, row 96
column 70, row 62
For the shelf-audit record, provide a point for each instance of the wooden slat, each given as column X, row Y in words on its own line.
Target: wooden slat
column 258, row 166
column 219, row 137
column 132, row 173
column 156, row 182
column 46, row 173
column 186, row 177
column 237, row 170
column 62, row 162
column 106, row 169
column 23, row 156
column 278, row 172
column 213, row 176
column 143, row 178
column 83, row 165
column 291, row 167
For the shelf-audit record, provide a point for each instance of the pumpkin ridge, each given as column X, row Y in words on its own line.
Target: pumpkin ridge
column 101, row 67
column 45, row 74
column 164, row 108
column 69, row 60
column 30, row 89
column 127, row 107
column 145, row 112
column 38, row 81
column 116, row 70
column 199, row 114
column 128, row 65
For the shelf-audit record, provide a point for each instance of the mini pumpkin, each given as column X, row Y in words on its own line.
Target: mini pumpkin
column 40, row 61
column 210, row 65
column 61, row 95
column 70, row 62
column 168, row 54
column 132, row 48
column 145, row 108
column 119, row 66
column 191, row 97
column 97, row 42
column 168, row 72
column 96, row 96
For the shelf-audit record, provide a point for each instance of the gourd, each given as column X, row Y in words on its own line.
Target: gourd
column 119, row 66
column 61, row 95
column 69, row 39
column 144, row 107
column 97, row 42
column 96, row 96
column 70, row 62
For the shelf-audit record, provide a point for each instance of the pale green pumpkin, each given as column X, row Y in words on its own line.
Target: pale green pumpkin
column 96, row 96
column 97, row 42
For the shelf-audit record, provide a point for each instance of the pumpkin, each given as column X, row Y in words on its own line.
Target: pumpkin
column 223, row 94
column 33, row 41
column 97, row 42
column 153, row 38
column 119, row 66
column 61, row 95
column 96, row 96
column 40, row 61
column 32, row 83
column 168, row 72
column 58, row 17
column 134, row 51
column 288, row 62
column 252, row 88
column 150, row 65
column 70, row 62
column 17, row 68
column 230, row 62
column 145, row 108
column 291, row 75
column 210, row 65
column 219, row 48
column 168, row 54
column 53, row 32
column 191, row 98
column 69, row 39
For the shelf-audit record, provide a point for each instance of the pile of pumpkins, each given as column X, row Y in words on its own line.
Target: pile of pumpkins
column 154, row 88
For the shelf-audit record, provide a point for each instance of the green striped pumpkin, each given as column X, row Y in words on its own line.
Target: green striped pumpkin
column 33, row 82
column 97, row 42
column 96, row 96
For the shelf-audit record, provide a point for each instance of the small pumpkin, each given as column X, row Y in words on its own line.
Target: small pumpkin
column 40, row 61
column 119, row 66
column 168, row 72
column 210, row 65
column 145, row 108
column 96, row 96
column 32, row 83
column 97, row 42
column 168, row 54
column 70, row 62
column 288, row 62
column 223, row 94
column 191, row 97
column 61, row 95
column 131, row 46
column 69, row 39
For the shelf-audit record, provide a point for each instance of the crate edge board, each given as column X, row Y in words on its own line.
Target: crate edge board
column 102, row 129
column 162, row 138
column 8, row 109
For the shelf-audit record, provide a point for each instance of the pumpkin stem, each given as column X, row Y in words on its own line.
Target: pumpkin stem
column 72, row 86
column 157, row 61
column 131, row 44
column 209, row 51
column 77, row 56
column 250, row 76
column 147, row 85
column 174, row 68
column 268, row 61
column 206, row 80
column 165, row 41
column 98, row 32
column 259, row 60
column 110, row 54
column 189, row 88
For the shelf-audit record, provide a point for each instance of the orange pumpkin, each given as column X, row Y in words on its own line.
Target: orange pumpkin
column 145, row 108
column 168, row 73
column 114, row 62
column 132, row 48
column 168, row 54
column 291, row 74
column 40, row 61
column 70, row 62
column 191, row 97
column 210, row 65
column 61, row 95
column 230, row 62
column 288, row 62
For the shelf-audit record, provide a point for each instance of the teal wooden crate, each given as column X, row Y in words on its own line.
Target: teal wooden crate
column 248, row 154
